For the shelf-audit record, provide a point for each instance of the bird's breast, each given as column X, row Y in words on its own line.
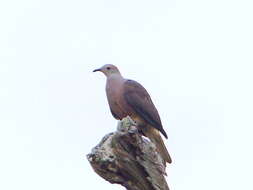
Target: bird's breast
column 114, row 92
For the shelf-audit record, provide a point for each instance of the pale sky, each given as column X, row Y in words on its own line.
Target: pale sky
column 194, row 57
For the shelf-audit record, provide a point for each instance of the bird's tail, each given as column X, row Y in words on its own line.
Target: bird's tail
column 155, row 137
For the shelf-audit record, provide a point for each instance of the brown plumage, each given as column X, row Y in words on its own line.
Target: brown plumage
column 129, row 98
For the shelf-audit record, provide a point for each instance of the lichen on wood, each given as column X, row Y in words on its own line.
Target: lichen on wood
column 127, row 158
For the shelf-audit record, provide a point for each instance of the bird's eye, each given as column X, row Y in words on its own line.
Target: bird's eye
column 108, row 68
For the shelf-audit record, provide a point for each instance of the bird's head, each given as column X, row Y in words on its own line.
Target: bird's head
column 108, row 70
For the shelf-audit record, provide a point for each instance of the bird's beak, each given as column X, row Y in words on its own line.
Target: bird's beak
column 96, row 70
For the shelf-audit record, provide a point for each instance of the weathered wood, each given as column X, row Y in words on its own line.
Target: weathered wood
column 127, row 158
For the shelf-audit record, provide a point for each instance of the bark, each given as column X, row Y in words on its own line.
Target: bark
column 127, row 158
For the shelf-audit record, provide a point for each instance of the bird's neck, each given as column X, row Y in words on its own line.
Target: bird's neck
column 115, row 76
column 115, row 79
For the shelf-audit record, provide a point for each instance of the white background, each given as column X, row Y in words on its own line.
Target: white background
column 194, row 58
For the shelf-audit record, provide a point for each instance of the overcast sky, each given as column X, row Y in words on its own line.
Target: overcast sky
column 194, row 58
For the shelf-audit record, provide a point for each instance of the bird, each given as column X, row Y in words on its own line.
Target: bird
column 129, row 98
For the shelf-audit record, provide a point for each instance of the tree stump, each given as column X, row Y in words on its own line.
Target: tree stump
column 126, row 157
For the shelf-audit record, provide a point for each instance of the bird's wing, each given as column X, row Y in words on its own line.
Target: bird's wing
column 139, row 100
